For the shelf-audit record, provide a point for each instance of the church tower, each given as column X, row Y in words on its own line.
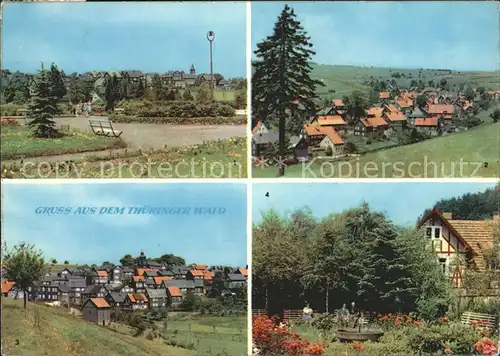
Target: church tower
column 141, row 260
column 192, row 71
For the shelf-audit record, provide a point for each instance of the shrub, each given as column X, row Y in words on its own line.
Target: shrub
column 10, row 109
column 329, row 151
column 216, row 120
column 7, row 121
column 323, row 322
column 271, row 339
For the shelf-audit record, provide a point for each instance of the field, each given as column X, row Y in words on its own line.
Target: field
column 62, row 334
column 345, row 79
column 17, row 142
column 213, row 159
column 435, row 158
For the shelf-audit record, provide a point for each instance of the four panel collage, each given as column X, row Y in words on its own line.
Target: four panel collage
column 250, row 178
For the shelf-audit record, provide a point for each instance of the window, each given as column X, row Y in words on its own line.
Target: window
column 437, row 232
column 442, row 262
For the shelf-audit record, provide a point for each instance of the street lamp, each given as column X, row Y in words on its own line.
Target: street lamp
column 210, row 38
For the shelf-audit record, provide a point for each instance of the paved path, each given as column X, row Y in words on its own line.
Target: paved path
column 144, row 137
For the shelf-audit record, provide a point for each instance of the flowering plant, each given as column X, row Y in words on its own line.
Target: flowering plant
column 486, row 346
column 272, row 339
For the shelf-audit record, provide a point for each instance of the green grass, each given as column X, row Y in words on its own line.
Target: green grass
column 62, row 334
column 345, row 79
column 210, row 334
column 18, row 142
column 478, row 147
column 214, row 159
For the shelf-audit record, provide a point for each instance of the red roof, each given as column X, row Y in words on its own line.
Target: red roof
column 337, row 102
column 259, row 124
column 244, row 271
column 100, row 302
column 208, row 275
column 196, row 273
column 434, row 109
column 102, row 273
column 160, row 279
column 333, row 135
column 384, row 95
column 330, row 120
column 6, row 286
column 429, row 121
column 375, row 111
column 396, row 116
column 136, row 297
column 174, row 292
column 374, row 121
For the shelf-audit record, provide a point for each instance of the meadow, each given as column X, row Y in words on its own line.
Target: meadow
column 59, row 333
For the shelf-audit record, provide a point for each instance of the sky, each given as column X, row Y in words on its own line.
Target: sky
column 213, row 239
column 403, row 203
column 413, row 34
column 147, row 36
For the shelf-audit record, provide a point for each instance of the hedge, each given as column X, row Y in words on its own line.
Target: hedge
column 217, row 120
column 177, row 109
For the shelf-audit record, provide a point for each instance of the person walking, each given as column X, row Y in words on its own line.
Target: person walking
column 89, row 109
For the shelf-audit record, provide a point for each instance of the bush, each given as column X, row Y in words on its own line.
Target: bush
column 323, row 322
column 216, row 120
column 7, row 121
column 177, row 109
column 329, row 151
column 10, row 109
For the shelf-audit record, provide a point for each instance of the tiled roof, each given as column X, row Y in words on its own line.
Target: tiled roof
column 384, row 95
column 392, row 108
column 396, row 116
column 333, row 135
column 136, row 297
column 140, row 271
column 236, row 277
column 159, row 279
column 174, row 291
column 102, row 273
column 244, row 271
column 196, row 273
column 331, row 120
column 208, row 276
column 337, row 102
column 156, row 293
column 375, row 111
column 201, row 267
column 373, row 121
column 100, row 302
column 6, row 286
column 118, row 297
column 429, row 121
column 440, row 109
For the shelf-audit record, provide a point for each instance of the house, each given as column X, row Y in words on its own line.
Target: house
column 384, row 95
column 338, row 104
column 332, row 141
column 194, row 274
column 429, row 125
column 94, row 291
column 370, row 125
column 100, row 276
column 116, row 299
column 335, row 121
column 389, row 108
column 135, row 301
column 72, row 271
column 133, row 76
column 441, row 110
column 63, row 292
column 235, row 281
column 374, row 112
column 457, row 238
column 116, row 275
column 187, row 286
column 263, row 141
column 180, row 272
column 120, row 288
column 396, row 120
column 314, row 134
column 6, row 287
column 404, row 104
column 47, row 292
column 300, row 148
column 159, row 280
column 198, row 267
column 174, row 296
column 244, row 272
column 157, row 298
column 97, row 310
column 260, row 128
column 208, row 275
column 76, row 287
column 139, row 284
column 166, row 274
column 417, row 113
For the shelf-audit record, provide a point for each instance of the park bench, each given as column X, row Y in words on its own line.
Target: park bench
column 486, row 321
column 104, row 128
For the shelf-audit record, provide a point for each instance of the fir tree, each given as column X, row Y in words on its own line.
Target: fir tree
column 56, row 81
column 282, row 76
column 112, row 92
column 141, row 89
column 187, row 95
column 42, row 107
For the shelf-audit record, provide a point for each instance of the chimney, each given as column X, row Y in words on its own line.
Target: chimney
column 447, row 216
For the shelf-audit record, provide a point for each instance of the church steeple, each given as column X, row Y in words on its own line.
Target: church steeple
column 192, row 71
column 141, row 260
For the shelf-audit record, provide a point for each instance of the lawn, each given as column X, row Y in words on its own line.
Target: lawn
column 211, row 335
column 214, row 159
column 62, row 334
column 472, row 154
column 17, row 142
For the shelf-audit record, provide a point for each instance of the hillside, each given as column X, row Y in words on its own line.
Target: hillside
column 62, row 334
column 345, row 79
column 477, row 145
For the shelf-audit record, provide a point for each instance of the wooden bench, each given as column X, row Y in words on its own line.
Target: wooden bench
column 104, row 128
column 487, row 321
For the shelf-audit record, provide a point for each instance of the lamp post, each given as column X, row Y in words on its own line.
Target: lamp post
column 210, row 38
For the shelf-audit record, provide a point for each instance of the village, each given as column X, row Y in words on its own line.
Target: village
column 96, row 291
column 395, row 117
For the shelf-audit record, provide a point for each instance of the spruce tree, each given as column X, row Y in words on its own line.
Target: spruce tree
column 42, row 107
column 56, row 81
column 282, row 76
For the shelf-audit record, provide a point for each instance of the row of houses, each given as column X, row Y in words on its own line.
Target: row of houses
column 325, row 129
column 151, row 285
column 177, row 78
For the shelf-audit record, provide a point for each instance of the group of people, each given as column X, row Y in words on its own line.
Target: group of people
column 83, row 109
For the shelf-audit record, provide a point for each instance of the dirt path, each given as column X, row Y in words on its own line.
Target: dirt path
column 144, row 137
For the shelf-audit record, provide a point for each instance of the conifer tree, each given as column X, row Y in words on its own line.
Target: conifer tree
column 56, row 80
column 187, row 95
column 42, row 107
column 282, row 76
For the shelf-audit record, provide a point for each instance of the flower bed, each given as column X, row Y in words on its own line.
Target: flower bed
column 270, row 339
column 218, row 120
column 9, row 121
